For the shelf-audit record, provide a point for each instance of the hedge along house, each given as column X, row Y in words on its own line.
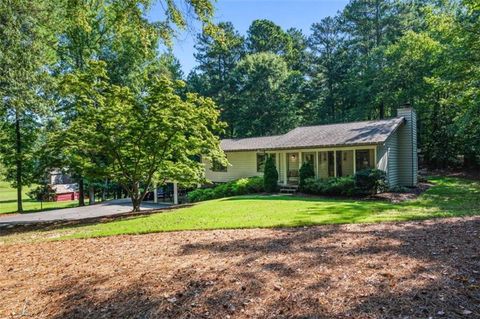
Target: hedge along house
column 334, row 150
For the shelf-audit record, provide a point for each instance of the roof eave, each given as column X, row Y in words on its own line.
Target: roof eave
column 306, row 147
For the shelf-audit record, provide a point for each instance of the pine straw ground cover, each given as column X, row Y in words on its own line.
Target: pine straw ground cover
column 389, row 270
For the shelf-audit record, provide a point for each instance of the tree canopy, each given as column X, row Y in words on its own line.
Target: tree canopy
column 370, row 59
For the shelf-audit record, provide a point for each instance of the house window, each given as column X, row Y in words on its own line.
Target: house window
column 364, row 159
column 218, row 167
column 261, row 158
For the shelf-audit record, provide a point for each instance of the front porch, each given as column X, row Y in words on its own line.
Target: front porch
column 327, row 162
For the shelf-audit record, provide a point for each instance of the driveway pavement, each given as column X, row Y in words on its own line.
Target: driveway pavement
column 108, row 208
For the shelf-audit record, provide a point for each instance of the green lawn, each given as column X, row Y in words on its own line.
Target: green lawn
column 8, row 201
column 449, row 197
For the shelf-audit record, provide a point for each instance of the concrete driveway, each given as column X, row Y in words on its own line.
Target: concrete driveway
column 109, row 208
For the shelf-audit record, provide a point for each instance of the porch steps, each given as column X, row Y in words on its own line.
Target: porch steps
column 288, row 189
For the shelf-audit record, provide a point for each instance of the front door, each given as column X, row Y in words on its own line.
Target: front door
column 292, row 168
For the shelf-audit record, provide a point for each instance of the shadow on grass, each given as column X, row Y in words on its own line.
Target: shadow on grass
column 450, row 197
column 26, row 202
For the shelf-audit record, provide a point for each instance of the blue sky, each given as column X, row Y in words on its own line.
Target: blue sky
column 286, row 13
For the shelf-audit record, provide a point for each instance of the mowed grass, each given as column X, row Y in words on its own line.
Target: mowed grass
column 8, row 201
column 449, row 197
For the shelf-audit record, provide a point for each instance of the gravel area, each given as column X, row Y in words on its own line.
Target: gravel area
column 428, row 269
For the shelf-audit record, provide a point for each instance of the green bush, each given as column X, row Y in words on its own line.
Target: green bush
column 332, row 186
column 371, row 180
column 239, row 187
column 306, row 171
column 43, row 193
column 270, row 176
column 367, row 181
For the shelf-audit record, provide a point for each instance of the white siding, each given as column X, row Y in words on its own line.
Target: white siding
column 242, row 164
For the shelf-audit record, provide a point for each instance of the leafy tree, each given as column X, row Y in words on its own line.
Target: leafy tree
column 217, row 57
column 119, row 33
column 152, row 138
column 266, row 36
column 270, row 175
column 24, row 59
column 329, row 70
column 256, row 82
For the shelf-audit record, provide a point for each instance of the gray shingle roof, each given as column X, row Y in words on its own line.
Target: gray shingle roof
column 342, row 134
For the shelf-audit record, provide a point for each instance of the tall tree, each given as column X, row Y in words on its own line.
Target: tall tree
column 257, row 82
column 329, row 70
column 217, row 57
column 150, row 138
column 119, row 33
column 371, row 25
column 25, row 39
column 266, row 36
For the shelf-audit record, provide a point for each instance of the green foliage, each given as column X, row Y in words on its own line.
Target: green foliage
column 368, row 181
column 306, row 171
column 371, row 180
column 270, row 175
column 361, row 64
column 43, row 193
column 150, row 138
column 334, row 186
column 259, row 97
column 25, row 57
column 239, row 187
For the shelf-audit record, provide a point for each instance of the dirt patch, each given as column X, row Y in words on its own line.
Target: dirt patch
column 391, row 270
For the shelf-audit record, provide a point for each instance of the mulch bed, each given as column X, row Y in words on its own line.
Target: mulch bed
column 410, row 194
column 427, row 269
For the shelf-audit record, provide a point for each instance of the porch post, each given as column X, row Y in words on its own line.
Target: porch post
column 315, row 165
column 335, row 163
column 155, row 198
column 375, row 156
column 175, row 193
column 285, row 158
column 354, row 161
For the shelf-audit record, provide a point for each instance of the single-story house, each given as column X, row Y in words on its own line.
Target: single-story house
column 333, row 149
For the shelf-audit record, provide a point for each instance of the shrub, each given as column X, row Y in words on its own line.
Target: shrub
column 43, row 193
column 306, row 171
column 371, row 180
column 270, row 176
column 239, row 187
column 332, row 186
column 255, row 185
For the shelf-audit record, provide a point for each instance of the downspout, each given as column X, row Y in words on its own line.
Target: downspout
column 413, row 154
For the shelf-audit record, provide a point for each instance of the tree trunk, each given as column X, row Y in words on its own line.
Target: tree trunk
column 136, row 199
column 81, row 192
column 382, row 110
column 18, row 159
column 136, row 204
column 104, row 192
column 91, row 195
